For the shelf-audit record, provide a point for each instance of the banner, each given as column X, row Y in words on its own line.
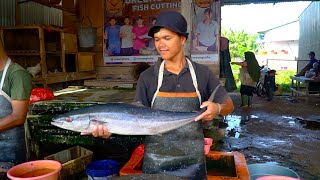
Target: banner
column 205, row 35
column 127, row 23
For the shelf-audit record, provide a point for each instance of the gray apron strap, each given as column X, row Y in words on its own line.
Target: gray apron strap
column 2, row 79
column 194, row 79
column 160, row 79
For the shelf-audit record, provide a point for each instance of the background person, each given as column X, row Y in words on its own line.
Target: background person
column 15, row 89
column 140, row 32
column 207, row 31
column 249, row 76
column 112, row 35
column 126, row 38
column 309, row 65
column 150, row 49
column 175, row 83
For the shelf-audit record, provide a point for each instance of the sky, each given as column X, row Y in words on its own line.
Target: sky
column 260, row 17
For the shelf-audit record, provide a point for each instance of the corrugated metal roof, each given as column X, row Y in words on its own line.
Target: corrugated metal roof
column 34, row 13
column 7, row 12
column 242, row 2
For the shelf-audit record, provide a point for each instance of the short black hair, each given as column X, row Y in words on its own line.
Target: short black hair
column 312, row 53
column 157, row 29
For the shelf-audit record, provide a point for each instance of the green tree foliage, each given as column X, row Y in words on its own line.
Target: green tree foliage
column 239, row 42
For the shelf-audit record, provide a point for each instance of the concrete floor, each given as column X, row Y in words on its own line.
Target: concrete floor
column 283, row 131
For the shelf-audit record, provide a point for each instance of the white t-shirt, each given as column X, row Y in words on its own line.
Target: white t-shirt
column 207, row 32
column 126, row 41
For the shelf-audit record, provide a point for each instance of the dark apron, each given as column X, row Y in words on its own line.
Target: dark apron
column 12, row 141
column 178, row 152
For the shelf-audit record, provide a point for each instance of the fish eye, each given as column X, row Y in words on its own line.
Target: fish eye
column 68, row 119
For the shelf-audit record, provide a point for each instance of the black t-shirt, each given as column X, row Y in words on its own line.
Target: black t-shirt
column 207, row 82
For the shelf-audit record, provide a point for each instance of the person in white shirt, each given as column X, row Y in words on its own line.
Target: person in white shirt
column 207, row 32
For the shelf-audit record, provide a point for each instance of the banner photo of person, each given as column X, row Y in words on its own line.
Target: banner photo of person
column 127, row 23
column 205, row 31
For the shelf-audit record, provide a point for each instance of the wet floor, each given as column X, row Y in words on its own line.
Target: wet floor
column 279, row 132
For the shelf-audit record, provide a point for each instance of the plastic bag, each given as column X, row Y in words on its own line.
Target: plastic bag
column 40, row 94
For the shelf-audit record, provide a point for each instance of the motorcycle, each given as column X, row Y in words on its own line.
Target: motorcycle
column 267, row 83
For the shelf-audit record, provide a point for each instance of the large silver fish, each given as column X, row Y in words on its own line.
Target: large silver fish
column 124, row 119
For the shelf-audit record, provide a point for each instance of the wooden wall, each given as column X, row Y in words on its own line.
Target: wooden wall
column 94, row 10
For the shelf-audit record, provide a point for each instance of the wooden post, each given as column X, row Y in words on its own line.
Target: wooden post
column 186, row 6
column 43, row 56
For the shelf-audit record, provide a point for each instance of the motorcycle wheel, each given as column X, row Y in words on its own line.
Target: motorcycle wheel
column 259, row 89
column 270, row 93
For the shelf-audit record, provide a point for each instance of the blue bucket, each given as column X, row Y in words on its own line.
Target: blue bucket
column 102, row 169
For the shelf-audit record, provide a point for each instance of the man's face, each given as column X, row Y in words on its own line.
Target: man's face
column 311, row 56
column 168, row 43
column 127, row 21
column 112, row 22
column 139, row 21
column 207, row 15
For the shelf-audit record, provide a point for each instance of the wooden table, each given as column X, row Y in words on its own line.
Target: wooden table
column 300, row 86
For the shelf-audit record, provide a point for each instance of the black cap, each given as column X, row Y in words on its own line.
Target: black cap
column 312, row 53
column 171, row 20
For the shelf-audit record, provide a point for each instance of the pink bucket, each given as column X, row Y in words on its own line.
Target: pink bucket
column 276, row 178
column 35, row 170
column 207, row 145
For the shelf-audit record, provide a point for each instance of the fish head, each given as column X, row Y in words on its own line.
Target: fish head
column 77, row 123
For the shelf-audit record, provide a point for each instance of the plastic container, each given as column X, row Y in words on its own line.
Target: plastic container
column 220, row 165
column 74, row 160
column 36, row 170
column 266, row 169
column 215, row 131
column 102, row 169
column 207, row 145
column 277, row 178
column 86, row 35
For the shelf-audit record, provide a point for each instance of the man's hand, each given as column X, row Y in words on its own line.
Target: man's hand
column 226, row 107
column 211, row 112
column 98, row 130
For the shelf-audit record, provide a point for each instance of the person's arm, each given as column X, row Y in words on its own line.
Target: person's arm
column 221, row 104
column 20, row 90
column 17, row 117
column 305, row 68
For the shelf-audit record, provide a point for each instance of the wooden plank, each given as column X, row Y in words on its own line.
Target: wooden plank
column 98, row 59
column 115, row 69
column 108, row 84
column 70, row 43
column 85, row 61
column 115, row 76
